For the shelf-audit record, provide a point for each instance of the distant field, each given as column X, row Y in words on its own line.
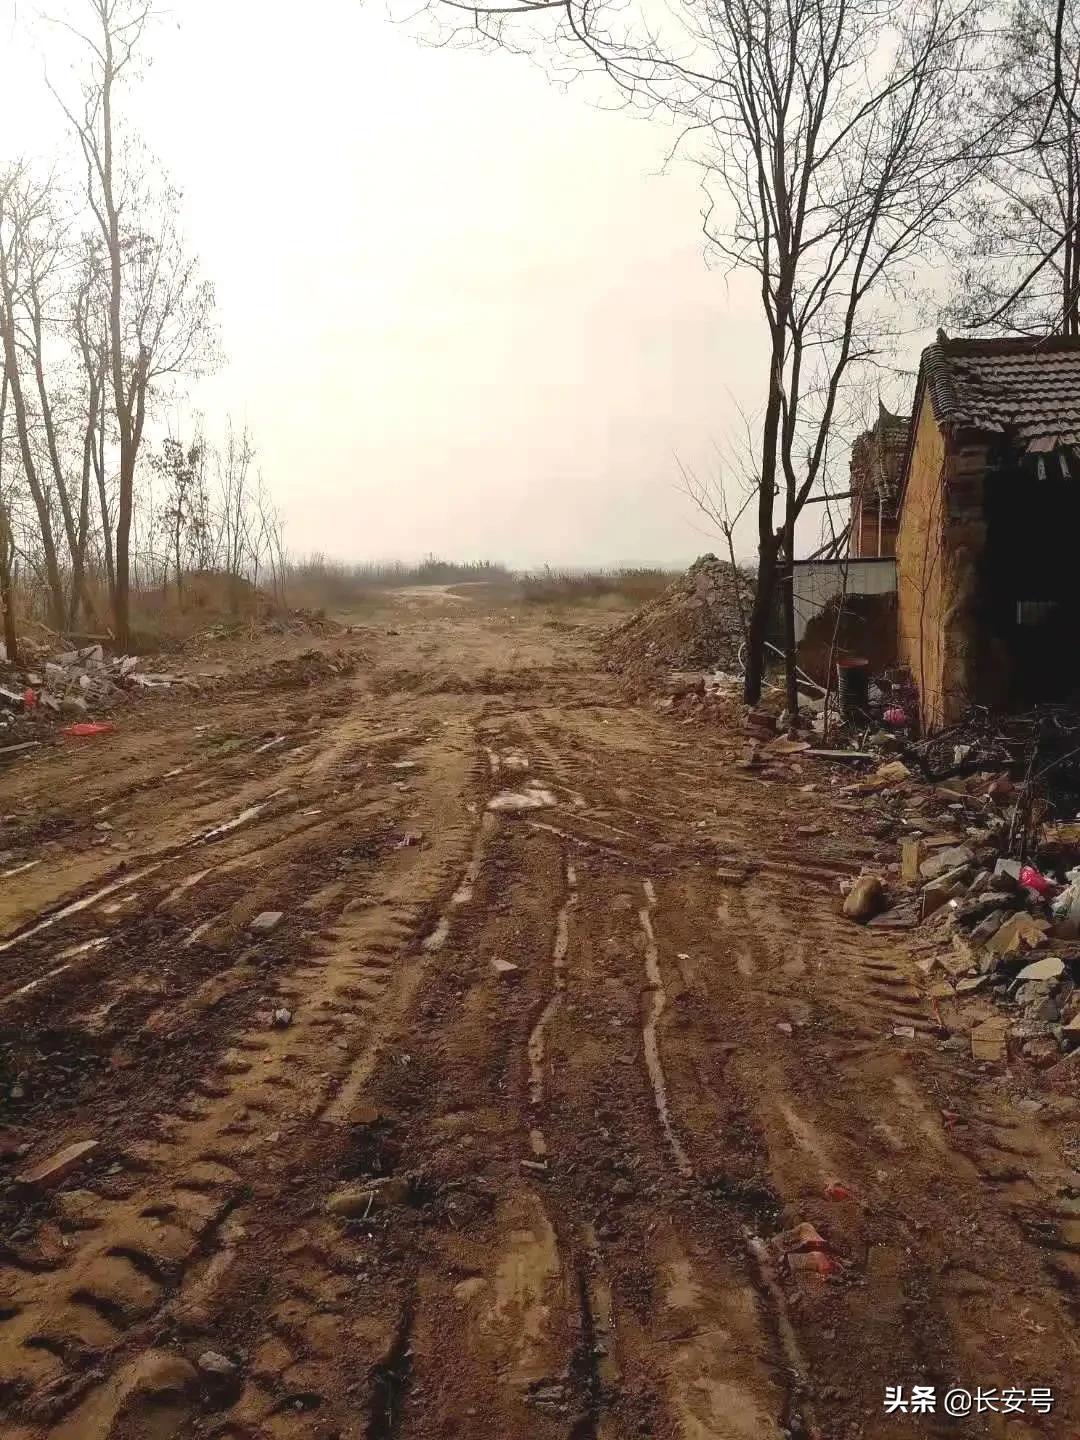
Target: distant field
column 567, row 587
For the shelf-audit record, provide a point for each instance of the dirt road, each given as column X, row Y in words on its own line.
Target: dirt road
column 602, row 1051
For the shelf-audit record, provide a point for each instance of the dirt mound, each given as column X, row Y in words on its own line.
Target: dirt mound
column 693, row 625
column 294, row 672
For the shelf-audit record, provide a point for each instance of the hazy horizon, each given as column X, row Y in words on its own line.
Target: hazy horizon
column 461, row 310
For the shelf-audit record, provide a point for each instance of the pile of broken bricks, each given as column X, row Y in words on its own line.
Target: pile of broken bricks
column 74, row 681
column 998, row 940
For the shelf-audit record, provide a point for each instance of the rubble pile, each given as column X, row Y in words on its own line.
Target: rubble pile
column 986, row 877
column 77, row 681
column 693, row 625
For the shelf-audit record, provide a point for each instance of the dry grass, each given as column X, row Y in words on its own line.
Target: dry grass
column 635, row 585
column 317, row 582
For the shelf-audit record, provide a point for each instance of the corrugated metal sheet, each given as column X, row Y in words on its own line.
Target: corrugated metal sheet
column 817, row 581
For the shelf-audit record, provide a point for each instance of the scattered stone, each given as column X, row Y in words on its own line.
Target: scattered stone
column 970, row 983
column 533, row 798
column 268, row 921
column 937, row 894
column 1049, row 968
column 502, row 967
column 210, row 1362
column 865, row 899
column 1041, row 1051
column 910, row 860
column 894, row 772
column 988, row 1039
column 988, row 927
column 357, row 1203
column 1007, row 874
column 58, row 1167
column 1020, row 932
column 282, row 1018
column 466, row 1289
column 953, row 857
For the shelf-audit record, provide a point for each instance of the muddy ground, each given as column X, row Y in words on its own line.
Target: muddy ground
column 605, row 1051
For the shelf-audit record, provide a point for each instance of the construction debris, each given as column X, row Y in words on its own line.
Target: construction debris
column 694, row 625
column 58, row 1167
column 987, row 877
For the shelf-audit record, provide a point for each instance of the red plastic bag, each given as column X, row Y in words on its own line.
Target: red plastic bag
column 29, row 698
column 1031, row 879
column 89, row 727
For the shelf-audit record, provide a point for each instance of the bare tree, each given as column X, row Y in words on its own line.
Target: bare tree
column 833, row 136
column 1018, row 256
column 21, row 204
column 723, row 500
column 233, row 465
column 179, row 467
column 7, row 540
column 158, row 309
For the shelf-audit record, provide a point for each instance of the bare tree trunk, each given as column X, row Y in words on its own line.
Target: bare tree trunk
column 75, row 548
column 7, row 589
column 787, row 591
column 54, row 582
column 767, row 540
column 103, row 499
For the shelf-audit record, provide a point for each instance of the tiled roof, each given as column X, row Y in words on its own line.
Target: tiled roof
column 877, row 456
column 1029, row 389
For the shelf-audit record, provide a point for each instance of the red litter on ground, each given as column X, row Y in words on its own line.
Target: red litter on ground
column 89, row 727
column 837, row 1190
column 1032, row 879
column 29, row 698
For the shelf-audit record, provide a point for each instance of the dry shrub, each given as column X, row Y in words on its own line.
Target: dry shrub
column 636, row 585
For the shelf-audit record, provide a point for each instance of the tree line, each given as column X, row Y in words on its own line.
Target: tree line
column 103, row 309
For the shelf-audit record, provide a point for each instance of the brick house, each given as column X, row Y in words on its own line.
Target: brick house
column 989, row 518
column 876, row 460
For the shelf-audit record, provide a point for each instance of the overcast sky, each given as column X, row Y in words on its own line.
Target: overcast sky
column 461, row 310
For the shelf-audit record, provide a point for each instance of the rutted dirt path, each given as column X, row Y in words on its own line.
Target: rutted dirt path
column 585, row 1061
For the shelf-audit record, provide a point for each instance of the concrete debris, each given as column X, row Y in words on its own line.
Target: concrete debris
column 953, row 857
column 988, row 1039
column 1051, row 968
column 989, row 885
column 534, row 797
column 58, row 1167
column 88, row 680
column 210, row 1362
column 267, row 922
column 1018, row 933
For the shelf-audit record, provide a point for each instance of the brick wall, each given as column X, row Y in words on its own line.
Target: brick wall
column 918, row 562
column 940, row 540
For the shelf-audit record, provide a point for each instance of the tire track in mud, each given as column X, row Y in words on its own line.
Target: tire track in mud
column 537, row 1036
column 132, row 1254
column 618, row 1285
